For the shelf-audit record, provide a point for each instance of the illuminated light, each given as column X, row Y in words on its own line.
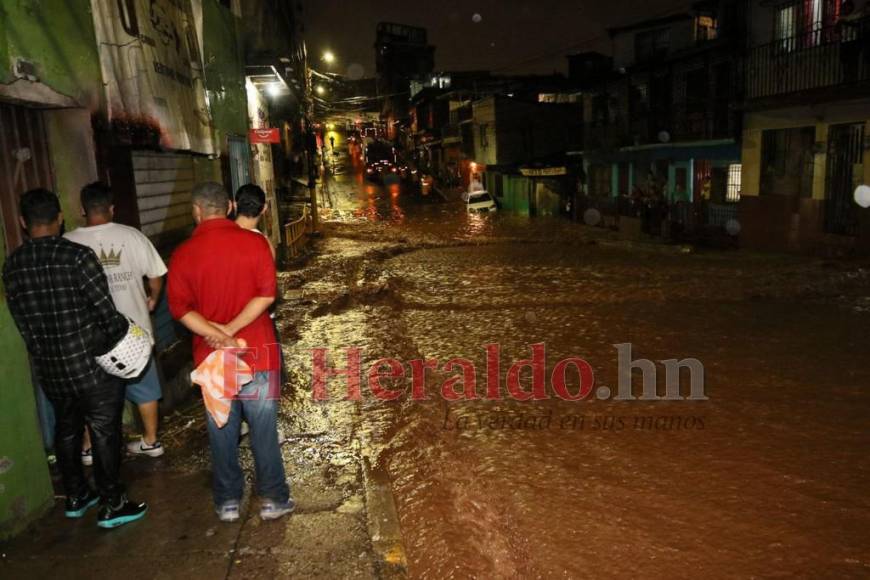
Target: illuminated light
column 274, row 89
column 473, row 166
column 328, row 57
column 862, row 196
column 319, row 89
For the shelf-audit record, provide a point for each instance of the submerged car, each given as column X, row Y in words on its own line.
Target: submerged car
column 480, row 201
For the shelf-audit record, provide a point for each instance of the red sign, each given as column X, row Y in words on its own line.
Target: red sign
column 264, row 136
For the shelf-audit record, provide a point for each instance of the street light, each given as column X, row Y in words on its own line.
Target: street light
column 328, row 57
column 320, row 90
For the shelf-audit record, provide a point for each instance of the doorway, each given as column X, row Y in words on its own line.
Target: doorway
column 845, row 149
column 25, row 164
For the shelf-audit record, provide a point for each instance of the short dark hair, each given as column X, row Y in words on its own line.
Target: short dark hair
column 39, row 207
column 96, row 198
column 250, row 200
column 211, row 196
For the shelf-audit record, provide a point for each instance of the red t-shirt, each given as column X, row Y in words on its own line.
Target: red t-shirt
column 216, row 273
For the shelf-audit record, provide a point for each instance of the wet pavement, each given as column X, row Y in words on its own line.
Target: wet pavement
column 767, row 477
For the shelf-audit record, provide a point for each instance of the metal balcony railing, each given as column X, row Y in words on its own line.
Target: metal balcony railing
column 826, row 57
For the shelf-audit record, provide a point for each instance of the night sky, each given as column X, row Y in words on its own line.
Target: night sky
column 511, row 36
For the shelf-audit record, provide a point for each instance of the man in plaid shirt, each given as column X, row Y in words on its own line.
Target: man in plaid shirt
column 59, row 298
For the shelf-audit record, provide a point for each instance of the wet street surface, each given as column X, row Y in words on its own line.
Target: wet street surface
column 767, row 477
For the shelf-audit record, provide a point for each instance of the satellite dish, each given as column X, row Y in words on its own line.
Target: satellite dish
column 664, row 137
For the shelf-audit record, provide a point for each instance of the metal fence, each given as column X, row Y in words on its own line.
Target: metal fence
column 820, row 58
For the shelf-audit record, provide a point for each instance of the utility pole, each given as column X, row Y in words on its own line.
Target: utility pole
column 312, row 177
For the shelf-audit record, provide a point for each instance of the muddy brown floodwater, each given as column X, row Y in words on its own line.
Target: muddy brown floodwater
column 768, row 477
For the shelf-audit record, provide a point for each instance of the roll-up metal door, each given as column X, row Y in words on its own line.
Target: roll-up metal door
column 163, row 185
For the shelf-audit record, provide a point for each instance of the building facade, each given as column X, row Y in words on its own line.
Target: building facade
column 806, row 127
column 149, row 97
column 665, row 120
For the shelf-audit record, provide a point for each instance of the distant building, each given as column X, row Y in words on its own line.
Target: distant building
column 807, row 124
column 666, row 116
column 402, row 54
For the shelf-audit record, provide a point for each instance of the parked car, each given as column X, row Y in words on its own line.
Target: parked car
column 480, row 201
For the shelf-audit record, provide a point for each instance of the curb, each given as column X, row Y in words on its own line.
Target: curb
column 383, row 523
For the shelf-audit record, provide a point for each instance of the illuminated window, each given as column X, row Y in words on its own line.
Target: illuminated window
column 734, row 182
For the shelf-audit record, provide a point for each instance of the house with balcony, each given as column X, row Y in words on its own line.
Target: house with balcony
column 665, row 117
column 806, row 125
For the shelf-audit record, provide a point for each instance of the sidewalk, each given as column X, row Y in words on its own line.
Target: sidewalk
column 341, row 506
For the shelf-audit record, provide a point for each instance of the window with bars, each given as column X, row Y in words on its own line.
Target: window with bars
column 735, row 183
column 805, row 23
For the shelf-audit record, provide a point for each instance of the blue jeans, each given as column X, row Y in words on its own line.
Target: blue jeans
column 254, row 404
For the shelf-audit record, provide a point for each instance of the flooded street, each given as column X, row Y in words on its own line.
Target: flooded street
column 440, row 472
column 767, row 477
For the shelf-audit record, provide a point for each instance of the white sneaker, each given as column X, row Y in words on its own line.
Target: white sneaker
column 272, row 510
column 87, row 457
column 228, row 512
column 142, row 448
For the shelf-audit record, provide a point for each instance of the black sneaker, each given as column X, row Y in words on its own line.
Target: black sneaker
column 76, row 507
column 112, row 517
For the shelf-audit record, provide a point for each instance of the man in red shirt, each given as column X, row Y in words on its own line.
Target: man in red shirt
column 221, row 284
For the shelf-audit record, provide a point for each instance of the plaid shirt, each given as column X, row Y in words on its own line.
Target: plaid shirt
column 59, row 297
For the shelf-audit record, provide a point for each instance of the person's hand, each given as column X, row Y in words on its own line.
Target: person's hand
column 152, row 304
column 225, row 328
column 219, row 339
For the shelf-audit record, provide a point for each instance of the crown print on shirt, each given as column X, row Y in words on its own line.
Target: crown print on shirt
column 112, row 259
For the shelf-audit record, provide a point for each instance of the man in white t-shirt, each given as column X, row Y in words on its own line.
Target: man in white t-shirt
column 128, row 258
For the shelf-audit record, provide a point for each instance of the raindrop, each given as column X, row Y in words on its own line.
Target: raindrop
column 733, row 227
column 476, row 18
column 355, row 71
column 592, row 217
column 862, row 195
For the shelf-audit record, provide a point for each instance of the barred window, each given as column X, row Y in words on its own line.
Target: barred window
column 734, row 182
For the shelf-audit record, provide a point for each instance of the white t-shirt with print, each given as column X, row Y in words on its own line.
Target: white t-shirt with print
column 127, row 256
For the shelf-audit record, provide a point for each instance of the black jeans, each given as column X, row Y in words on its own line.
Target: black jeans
column 101, row 409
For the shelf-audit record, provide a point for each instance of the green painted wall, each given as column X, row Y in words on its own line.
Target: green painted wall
column 58, row 37
column 224, row 71
column 516, row 190
column 25, row 487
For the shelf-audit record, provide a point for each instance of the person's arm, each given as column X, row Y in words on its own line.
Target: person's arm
column 271, row 248
column 197, row 324
column 267, row 289
column 154, row 270
column 155, row 285
column 251, row 312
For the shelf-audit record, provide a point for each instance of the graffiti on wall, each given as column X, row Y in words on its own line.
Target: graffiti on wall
column 150, row 56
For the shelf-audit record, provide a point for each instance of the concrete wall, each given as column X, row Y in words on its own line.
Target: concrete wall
column 789, row 222
column 520, row 132
column 57, row 37
column 25, row 487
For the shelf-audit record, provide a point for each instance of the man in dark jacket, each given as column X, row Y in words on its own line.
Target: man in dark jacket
column 59, row 298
